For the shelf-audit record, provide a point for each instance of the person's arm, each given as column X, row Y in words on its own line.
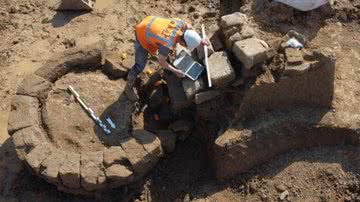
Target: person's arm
column 162, row 61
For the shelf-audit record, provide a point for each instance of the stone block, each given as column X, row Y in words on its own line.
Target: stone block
column 139, row 158
column 221, row 71
column 51, row 165
column 247, row 32
column 74, row 5
column 192, row 87
column 70, row 171
column 293, row 56
column 250, row 51
column 177, row 94
column 295, row 70
column 118, row 175
column 168, row 140
column 150, row 142
column 114, row 154
column 230, row 31
column 38, row 155
column 216, row 42
column 114, row 69
column 234, row 19
column 80, row 58
column 232, row 39
column 34, row 86
column 206, row 96
column 27, row 139
column 91, row 169
column 182, row 125
column 201, row 52
column 24, row 113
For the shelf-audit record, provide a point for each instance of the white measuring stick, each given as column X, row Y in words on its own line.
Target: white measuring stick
column 206, row 56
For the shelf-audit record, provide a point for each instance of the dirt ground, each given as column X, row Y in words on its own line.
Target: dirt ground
column 31, row 33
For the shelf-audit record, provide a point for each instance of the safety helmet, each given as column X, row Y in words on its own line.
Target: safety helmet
column 192, row 39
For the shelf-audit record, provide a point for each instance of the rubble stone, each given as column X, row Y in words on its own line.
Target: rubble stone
column 114, row 154
column 52, row 165
column 177, row 94
column 221, row 71
column 37, row 156
column 294, row 70
column 293, row 56
column 70, row 171
column 119, row 175
column 206, row 96
column 250, row 51
column 168, row 140
column 114, row 69
column 34, row 86
column 234, row 19
column 91, row 168
column 24, row 113
column 192, row 87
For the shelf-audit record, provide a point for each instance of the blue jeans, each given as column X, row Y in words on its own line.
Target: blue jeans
column 141, row 55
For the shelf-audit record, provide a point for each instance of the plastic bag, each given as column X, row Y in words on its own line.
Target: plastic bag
column 304, row 5
column 294, row 43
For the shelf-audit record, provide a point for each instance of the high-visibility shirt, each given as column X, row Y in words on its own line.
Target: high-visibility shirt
column 154, row 32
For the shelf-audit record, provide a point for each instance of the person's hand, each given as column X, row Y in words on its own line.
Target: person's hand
column 205, row 42
column 179, row 74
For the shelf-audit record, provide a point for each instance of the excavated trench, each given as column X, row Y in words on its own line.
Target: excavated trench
column 245, row 126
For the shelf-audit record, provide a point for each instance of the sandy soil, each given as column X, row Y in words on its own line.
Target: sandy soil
column 31, row 33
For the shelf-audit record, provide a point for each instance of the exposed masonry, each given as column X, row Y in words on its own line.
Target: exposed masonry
column 79, row 173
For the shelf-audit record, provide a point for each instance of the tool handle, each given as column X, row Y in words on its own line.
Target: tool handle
column 206, row 56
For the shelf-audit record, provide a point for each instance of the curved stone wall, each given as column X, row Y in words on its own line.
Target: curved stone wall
column 251, row 143
column 119, row 160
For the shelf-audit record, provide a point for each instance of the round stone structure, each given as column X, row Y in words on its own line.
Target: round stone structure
column 59, row 142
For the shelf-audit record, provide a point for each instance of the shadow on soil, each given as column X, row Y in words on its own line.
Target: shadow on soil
column 61, row 18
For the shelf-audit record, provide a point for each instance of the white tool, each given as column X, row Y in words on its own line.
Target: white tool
column 89, row 111
column 206, row 56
